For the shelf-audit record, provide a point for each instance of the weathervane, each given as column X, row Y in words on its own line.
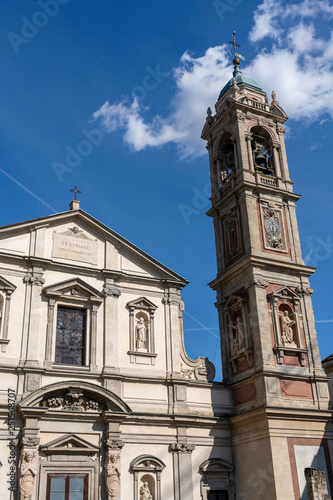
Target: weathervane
column 238, row 56
column 75, row 191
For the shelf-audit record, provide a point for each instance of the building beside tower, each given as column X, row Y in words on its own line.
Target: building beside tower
column 108, row 404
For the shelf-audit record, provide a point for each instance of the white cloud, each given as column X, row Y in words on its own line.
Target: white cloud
column 270, row 15
column 298, row 66
column 198, row 81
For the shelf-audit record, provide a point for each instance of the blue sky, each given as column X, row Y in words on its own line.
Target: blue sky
column 143, row 74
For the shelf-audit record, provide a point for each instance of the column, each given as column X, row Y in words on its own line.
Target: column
column 112, row 293
column 4, row 339
column 49, row 333
column 277, row 166
column 249, row 152
column 182, row 468
column 93, row 337
column 36, row 281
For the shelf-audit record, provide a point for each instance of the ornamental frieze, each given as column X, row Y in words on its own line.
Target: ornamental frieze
column 72, row 401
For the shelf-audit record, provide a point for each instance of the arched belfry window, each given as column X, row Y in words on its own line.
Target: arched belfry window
column 226, row 162
column 262, row 151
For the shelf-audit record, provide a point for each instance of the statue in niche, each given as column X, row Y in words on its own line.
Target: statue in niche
column 145, row 493
column 27, row 472
column 287, row 331
column 141, row 334
column 240, row 334
column 112, row 473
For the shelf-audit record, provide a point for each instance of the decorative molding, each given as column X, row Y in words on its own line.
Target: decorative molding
column 258, row 282
column 34, row 278
column 303, row 290
column 103, row 396
column 181, row 447
column 30, row 442
column 111, row 291
column 72, row 401
column 114, row 444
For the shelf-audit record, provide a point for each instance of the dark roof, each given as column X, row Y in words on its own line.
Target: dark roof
column 241, row 80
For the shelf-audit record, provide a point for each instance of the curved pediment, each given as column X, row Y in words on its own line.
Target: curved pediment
column 216, row 465
column 147, row 463
column 74, row 396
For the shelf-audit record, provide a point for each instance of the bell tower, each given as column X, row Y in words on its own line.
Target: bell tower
column 270, row 355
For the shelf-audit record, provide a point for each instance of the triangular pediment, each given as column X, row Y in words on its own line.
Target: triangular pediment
column 277, row 110
column 78, row 238
column 6, row 285
column 141, row 303
column 73, row 288
column 70, row 441
column 234, row 300
column 285, row 292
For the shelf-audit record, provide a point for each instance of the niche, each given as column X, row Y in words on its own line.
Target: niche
column 147, row 489
column 288, row 330
column 142, row 332
column 147, row 471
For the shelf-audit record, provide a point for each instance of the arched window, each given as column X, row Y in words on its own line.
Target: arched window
column 226, row 159
column 262, row 151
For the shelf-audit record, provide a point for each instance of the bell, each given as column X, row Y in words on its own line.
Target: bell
column 259, row 157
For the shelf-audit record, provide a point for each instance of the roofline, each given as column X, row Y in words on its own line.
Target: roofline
column 105, row 228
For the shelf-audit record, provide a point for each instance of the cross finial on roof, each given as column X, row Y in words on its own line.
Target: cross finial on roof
column 238, row 56
column 75, row 191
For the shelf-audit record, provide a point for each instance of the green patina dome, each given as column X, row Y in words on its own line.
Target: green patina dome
column 241, row 80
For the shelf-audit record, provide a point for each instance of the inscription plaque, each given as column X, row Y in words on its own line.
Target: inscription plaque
column 73, row 244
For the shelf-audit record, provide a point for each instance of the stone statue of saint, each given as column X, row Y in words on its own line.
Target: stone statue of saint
column 145, row 493
column 141, row 334
column 112, row 473
column 287, row 331
column 273, row 96
column 234, row 85
column 240, row 335
column 27, row 472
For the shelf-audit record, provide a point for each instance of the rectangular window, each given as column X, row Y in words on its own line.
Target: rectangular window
column 70, row 337
column 67, row 487
column 217, row 495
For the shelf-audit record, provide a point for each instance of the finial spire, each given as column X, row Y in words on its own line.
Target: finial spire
column 238, row 56
column 75, row 204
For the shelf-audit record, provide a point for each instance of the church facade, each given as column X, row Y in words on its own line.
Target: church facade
column 99, row 399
